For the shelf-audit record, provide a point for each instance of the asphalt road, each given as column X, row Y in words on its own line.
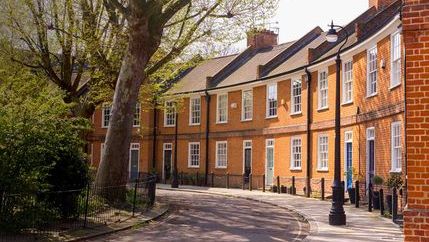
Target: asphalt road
column 203, row 217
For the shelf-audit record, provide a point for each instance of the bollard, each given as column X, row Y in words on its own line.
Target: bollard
column 263, row 183
column 322, row 188
column 293, row 192
column 357, row 197
column 198, row 179
column 135, row 197
column 342, row 189
column 243, row 181
column 181, row 178
column 278, row 184
column 227, row 180
column 250, row 182
column 394, row 204
column 370, row 197
column 212, row 179
column 381, row 202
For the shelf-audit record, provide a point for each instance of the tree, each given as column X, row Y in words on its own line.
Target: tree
column 162, row 32
column 74, row 43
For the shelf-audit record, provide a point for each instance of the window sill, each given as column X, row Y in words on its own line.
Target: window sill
column 104, row 127
column 347, row 103
column 270, row 117
column 246, row 120
column 193, row 167
column 169, row 126
column 322, row 109
column 394, row 86
column 323, row 170
column 296, row 113
column 195, row 124
column 222, row 122
column 396, row 171
column 220, row 167
column 136, row 126
column 296, row 169
column 371, row 95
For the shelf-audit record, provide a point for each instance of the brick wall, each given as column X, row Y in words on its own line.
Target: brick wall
column 416, row 38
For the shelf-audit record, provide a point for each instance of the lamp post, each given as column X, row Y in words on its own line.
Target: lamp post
column 337, row 215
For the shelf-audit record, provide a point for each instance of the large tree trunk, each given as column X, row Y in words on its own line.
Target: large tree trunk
column 113, row 170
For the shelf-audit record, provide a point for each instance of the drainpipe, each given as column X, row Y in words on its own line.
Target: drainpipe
column 155, row 113
column 175, row 180
column 308, row 173
column 405, row 130
column 207, row 138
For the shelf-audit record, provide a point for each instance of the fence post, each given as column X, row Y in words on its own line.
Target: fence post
column 357, row 196
column 227, row 180
column 85, row 223
column 198, row 179
column 278, row 184
column 250, row 182
column 135, row 196
column 263, row 183
column 212, row 179
column 381, row 202
column 322, row 188
column 394, row 204
column 370, row 197
column 293, row 186
column 181, row 178
column 243, row 181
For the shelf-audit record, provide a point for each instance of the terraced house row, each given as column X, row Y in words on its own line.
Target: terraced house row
column 269, row 110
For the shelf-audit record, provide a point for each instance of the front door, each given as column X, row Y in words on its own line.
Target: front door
column 269, row 170
column 370, row 155
column 134, row 161
column 167, row 159
column 349, row 159
column 247, row 159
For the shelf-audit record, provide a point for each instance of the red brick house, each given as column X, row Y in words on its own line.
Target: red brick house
column 269, row 110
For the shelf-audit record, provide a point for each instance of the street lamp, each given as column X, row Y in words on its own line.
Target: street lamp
column 337, row 215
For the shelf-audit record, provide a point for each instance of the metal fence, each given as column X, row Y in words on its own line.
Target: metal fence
column 49, row 215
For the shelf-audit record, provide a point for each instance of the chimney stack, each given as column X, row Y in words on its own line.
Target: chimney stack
column 261, row 38
column 380, row 4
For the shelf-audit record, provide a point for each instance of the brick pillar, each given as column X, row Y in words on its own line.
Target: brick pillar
column 416, row 40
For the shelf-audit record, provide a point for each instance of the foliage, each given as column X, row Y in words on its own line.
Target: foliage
column 40, row 145
column 394, row 181
column 377, row 180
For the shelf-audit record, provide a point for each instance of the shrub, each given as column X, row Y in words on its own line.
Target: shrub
column 394, row 181
column 377, row 180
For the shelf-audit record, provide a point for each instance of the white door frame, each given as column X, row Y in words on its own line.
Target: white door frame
column 346, row 141
column 134, row 146
column 164, row 148
column 367, row 154
column 266, row 160
column 244, row 155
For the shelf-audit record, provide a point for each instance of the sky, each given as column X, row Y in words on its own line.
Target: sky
column 297, row 17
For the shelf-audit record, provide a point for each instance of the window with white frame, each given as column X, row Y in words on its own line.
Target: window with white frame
column 221, row 154
column 372, row 72
column 106, row 115
column 271, row 100
column 396, row 152
column 348, row 82
column 195, row 111
column 136, row 121
column 170, row 114
column 296, row 96
column 222, row 108
column 395, row 78
column 296, row 157
column 247, row 105
column 194, row 154
column 323, row 152
column 323, row 90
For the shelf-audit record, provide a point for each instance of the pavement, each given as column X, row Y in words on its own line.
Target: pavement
column 361, row 225
column 212, row 217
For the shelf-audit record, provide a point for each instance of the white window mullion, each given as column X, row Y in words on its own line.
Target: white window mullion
column 271, row 109
column 194, row 111
column 323, row 152
column 296, row 88
column 372, row 72
column 222, row 108
column 396, row 147
column 247, row 105
column 395, row 76
column 136, row 121
column 106, row 114
column 348, row 82
column 169, row 114
column 323, row 90
column 296, row 153
column 194, row 155
column 221, row 154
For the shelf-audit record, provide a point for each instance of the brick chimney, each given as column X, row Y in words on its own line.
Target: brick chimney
column 380, row 4
column 261, row 38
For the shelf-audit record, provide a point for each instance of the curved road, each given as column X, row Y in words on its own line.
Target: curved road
column 204, row 217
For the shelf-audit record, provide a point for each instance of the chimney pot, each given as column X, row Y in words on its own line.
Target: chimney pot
column 380, row 4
